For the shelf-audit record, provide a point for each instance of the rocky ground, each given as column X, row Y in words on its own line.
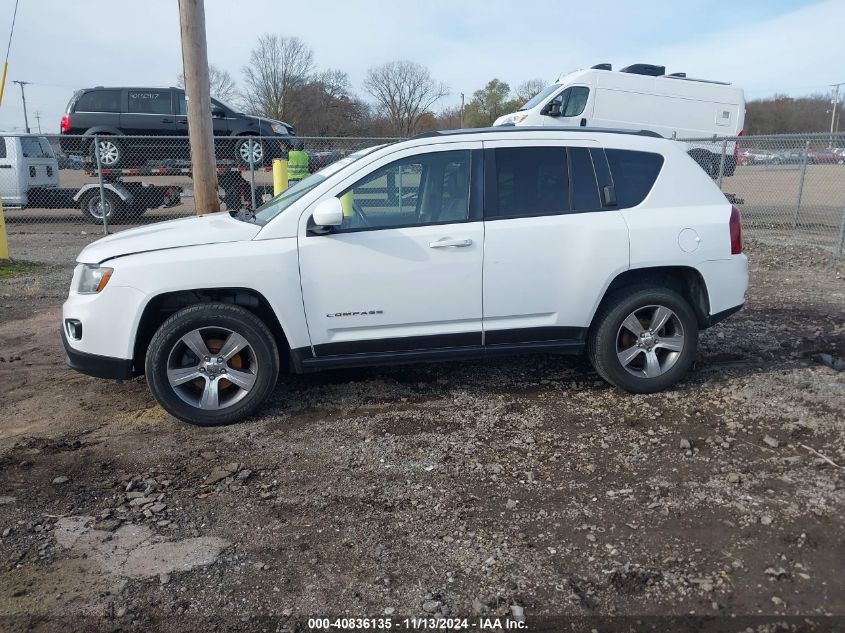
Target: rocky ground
column 523, row 488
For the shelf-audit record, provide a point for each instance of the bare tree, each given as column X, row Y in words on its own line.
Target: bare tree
column 222, row 85
column 325, row 106
column 528, row 90
column 277, row 67
column 405, row 91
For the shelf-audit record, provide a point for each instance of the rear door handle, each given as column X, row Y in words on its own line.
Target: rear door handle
column 444, row 243
column 167, row 120
column 183, row 121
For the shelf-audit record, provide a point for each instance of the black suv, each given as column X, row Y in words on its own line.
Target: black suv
column 160, row 115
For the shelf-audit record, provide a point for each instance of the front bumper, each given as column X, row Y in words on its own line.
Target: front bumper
column 94, row 365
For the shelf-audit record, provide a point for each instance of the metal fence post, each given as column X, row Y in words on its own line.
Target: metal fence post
column 840, row 243
column 801, row 185
column 252, row 171
column 102, row 188
column 722, row 162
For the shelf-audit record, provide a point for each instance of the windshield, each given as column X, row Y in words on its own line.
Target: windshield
column 539, row 97
column 277, row 205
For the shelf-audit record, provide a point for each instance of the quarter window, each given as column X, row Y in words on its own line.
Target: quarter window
column 425, row 189
column 99, row 101
column 530, row 181
column 634, row 174
column 585, row 192
column 149, row 102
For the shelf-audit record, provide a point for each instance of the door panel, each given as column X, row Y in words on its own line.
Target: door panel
column 544, row 274
column 400, row 287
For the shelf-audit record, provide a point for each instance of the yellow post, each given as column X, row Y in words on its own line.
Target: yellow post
column 280, row 175
column 4, row 243
column 346, row 204
column 3, row 81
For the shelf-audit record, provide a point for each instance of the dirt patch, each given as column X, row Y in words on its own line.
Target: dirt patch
column 524, row 485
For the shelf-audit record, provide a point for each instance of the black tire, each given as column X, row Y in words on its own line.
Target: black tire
column 607, row 332
column 112, row 152
column 242, row 148
column 92, row 209
column 261, row 362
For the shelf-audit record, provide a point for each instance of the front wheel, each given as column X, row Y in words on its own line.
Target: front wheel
column 644, row 340
column 249, row 151
column 212, row 364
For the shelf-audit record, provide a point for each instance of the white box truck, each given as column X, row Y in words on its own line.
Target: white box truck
column 643, row 97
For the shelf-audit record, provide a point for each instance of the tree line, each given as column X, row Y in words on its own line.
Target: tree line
column 781, row 114
column 283, row 82
column 400, row 98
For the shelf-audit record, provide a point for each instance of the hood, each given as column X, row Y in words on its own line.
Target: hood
column 214, row 228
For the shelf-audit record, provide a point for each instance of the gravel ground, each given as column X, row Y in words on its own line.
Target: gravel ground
column 521, row 488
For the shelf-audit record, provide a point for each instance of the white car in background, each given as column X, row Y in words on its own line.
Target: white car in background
column 450, row 245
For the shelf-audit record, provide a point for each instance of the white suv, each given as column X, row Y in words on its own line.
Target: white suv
column 451, row 245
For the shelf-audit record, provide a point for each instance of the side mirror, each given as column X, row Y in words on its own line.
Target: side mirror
column 553, row 109
column 329, row 212
column 218, row 113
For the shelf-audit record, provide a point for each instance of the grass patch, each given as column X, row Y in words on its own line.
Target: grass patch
column 10, row 269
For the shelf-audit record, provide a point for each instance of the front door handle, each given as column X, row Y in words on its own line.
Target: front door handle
column 167, row 120
column 444, row 243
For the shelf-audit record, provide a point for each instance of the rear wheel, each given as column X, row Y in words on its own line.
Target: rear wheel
column 94, row 209
column 212, row 364
column 111, row 152
column 644, row 339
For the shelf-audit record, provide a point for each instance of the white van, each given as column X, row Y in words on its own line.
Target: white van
column 643, row 97
column 28, row 165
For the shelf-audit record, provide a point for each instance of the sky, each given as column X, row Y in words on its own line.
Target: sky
column 764, row 46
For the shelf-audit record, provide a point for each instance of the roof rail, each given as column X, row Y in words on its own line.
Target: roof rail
column 683, row 77
column 531, row 128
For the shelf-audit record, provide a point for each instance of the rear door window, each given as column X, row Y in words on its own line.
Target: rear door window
column 529, row 181
column 99, row 101
column 634, row 174
column 149, row 102
column 33, row 147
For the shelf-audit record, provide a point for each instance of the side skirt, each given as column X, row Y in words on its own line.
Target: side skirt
column 304, row 362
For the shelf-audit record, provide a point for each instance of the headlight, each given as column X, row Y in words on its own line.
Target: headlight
column 278, row 128
column 92, row 278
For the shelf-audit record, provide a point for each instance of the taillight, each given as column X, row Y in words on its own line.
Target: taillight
column 736, row 231
column 65, row 126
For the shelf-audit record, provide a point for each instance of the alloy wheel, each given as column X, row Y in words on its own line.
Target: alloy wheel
column 109, row 153
column 212, row 368
column 650, row 341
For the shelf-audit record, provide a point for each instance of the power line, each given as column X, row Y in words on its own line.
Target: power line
column 11, row 32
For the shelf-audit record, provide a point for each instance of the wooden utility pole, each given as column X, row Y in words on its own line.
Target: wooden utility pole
column 198, row 99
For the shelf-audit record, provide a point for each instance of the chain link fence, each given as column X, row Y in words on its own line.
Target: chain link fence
column 62, row 179
column 790, row 188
